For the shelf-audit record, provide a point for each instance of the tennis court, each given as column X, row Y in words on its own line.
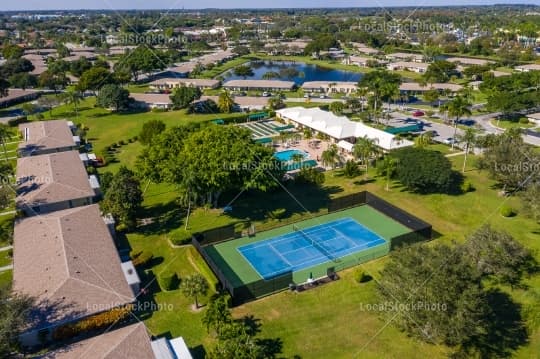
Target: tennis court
column 307, row 247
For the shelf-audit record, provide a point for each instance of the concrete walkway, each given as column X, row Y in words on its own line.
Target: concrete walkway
column 455, row 154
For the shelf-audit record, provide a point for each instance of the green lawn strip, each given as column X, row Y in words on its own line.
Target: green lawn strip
column 6, row 277
column 5, row 258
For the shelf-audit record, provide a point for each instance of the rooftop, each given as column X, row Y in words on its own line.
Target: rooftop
column 68, row 260
column 130, row 342
column 51, row 178
column 171, row 81
column 45, row 135
column 259, row 84
column 340, row 127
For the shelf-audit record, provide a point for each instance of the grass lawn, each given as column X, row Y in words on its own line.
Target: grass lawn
column 107, row 128
column 330, row 321
column 6, row 278
column 5, row 258
column 512, row 124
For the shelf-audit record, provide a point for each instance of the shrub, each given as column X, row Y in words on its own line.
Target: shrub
column 467, row 186
column 142, row 259
column 168, row 281
column 158, row 110
column 135, row 138
column 98, row 321
column 524, row 120
column 121, row 227
column 278, row 213
column 121, row 143
column 507, row 211
column 362, row 277
column 91, row 170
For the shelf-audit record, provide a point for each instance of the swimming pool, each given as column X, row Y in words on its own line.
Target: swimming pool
column 286, row 156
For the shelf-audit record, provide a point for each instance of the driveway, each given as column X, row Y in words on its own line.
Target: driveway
column 443, row 131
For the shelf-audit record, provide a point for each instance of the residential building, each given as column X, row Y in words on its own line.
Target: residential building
column 169, row 83
column 259, row 85
column 408, row 66
column 244, row 103
column 129, row 342
column 340, row 129
column 359, row 61
column 534, row 117
column 53, row 182
column 416, row 87
column 68, row 262
column 330, row 87
column 527, row 68
column 16, row 96
column 152, row 100
column 405, row 57
column 43, row 137
column 468, row 61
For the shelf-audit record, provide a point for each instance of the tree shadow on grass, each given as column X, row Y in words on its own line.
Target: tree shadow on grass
column 506, row 331
column 295, row 199
column 146, row 304
column 165, row 217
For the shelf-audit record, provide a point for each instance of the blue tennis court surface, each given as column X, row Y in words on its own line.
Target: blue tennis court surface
column 309, row 247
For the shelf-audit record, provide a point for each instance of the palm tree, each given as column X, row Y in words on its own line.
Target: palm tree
column 73, row 97
column 469, row 138
column 297, row 158
column 423, row 140
column 225, row 102
column 330, row 157
column 4, row 134
column 389, row 166
column 365, row 148
column 456, row 108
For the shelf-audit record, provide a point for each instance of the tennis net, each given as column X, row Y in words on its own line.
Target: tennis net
column 315, row 243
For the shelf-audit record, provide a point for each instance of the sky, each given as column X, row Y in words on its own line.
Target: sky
column 7, row 5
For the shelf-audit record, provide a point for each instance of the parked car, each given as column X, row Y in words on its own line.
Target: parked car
column 467, row 122
column 266, row 94
column 450, row 140
column 322, row 96
column 418, row 113
column 306, row 95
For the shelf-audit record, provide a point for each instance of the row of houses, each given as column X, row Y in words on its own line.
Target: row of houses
column 64, row 252
column 349, row 87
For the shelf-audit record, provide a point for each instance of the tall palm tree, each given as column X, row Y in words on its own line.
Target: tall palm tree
column 365, row 148
column 73, row 97
column 469, row 138
column 422, row 141
column 297, row 159
column 225, row 102
column 389, row 165
column 457, row 108
column 330, row 157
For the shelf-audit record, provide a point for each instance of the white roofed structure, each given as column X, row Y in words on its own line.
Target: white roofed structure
column 339, row 128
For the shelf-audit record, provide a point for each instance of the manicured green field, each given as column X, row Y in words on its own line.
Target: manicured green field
column 239, row 271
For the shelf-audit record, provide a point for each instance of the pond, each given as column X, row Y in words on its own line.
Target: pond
column 298, row 72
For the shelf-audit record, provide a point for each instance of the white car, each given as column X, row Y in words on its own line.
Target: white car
column 322, row 96
column 266, row 94
column 450, row 140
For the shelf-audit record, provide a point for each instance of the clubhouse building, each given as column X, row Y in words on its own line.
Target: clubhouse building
column 340, row 129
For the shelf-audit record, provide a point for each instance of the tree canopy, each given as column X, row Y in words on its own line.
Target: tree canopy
column 220, row 158
column 425, row 171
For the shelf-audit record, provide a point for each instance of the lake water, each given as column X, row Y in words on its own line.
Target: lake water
column 310, row 72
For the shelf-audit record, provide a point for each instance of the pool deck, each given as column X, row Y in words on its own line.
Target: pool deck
column 315, row 152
